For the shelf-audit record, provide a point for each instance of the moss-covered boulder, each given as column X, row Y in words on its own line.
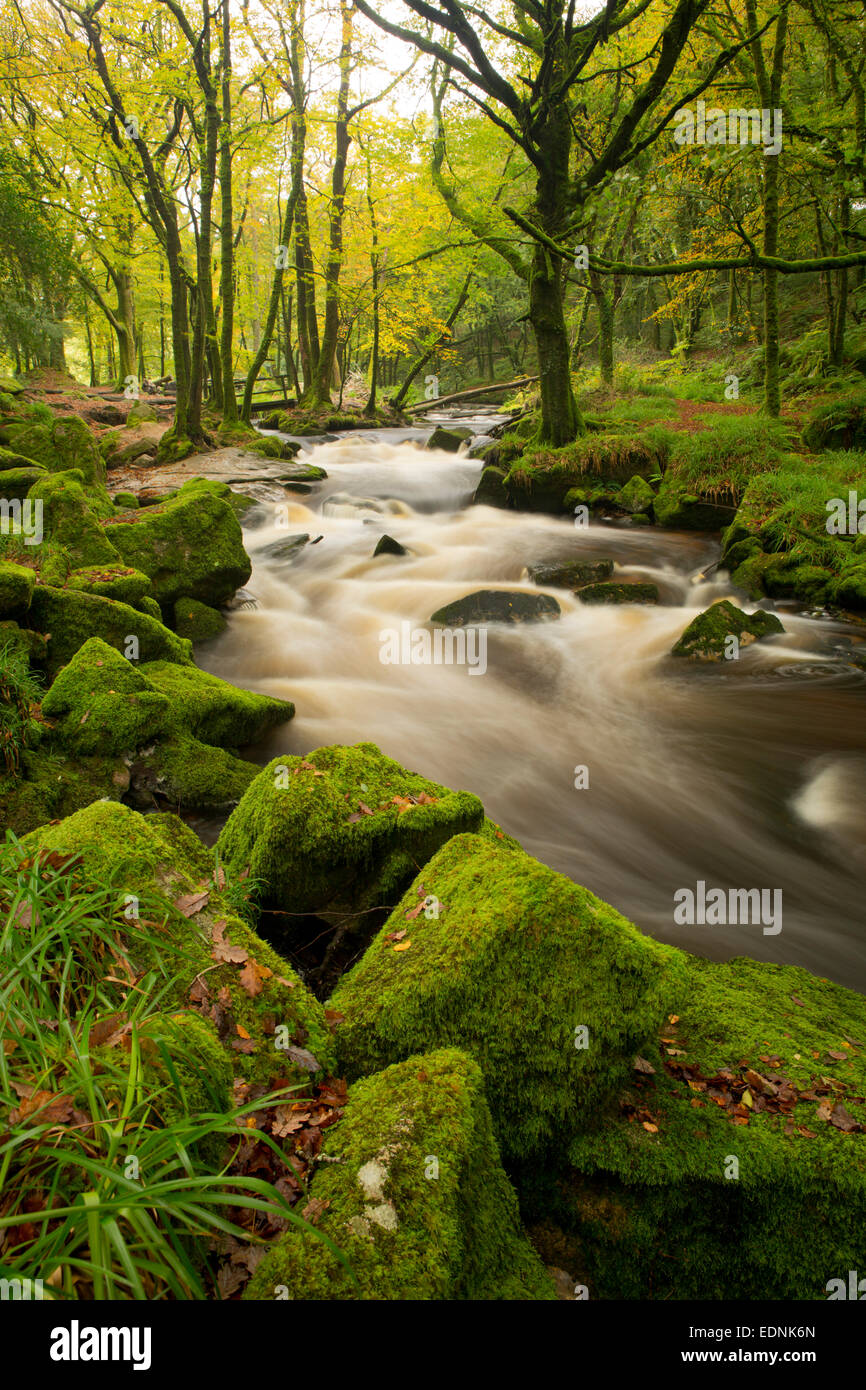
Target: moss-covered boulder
column 196, row 621
column 341, row 829
column 680, row 507
column 414, row 1196
column 839, row 423
column 69, row 617
column 16, row 587
column 190, row 545
column 619, row 593
column 212, row 709
column 707, row 636
column 58, row 445
column 31, row 644
column 141, row 413
column 732, row 1164
column 50, row 784
column 193, row 775
column 448, row 440
column 636, row 495
column 17, row 479
column 70, row 520
column 111, row 581
column 496, row 606
column 269, row 1024
column 571, row 574
column 127, row 501
column 102, row 703
column 550, row 989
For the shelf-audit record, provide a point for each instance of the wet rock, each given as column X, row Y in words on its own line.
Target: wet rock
column 571, row 574
column 707, row 636
column 386, row 545
column 497, row 606
column 619, row 593
column 636, row 495
column 287, row 549
column 491, row 490
column 449, row 440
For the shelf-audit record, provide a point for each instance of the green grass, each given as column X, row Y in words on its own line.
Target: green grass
column 19, row 692
column 117, row 1115
column 723, row 459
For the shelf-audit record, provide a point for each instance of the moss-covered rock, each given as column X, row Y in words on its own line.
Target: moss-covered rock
column 128, row 501
column 141, row 413
column 33, row 645
column 51, row 784
column 16, row 587
column 731, row 1171
column 58, row 445
column 266, row 1011
column 69, row 617
column 102, row 703
column 415, row 1199
column 448, row 440
column 71, row 522
column 17, row 479
column 550, row 989
column 112, row 581
column 196, row 621
column 706, row 637
column 571, row 574
column 190, row 545
column 342, row 829
column 212, row 709
column 196, row 775
column 679, row 506
column 619, row 593
column 838, row 424
column 491, row 490
column 636, row 495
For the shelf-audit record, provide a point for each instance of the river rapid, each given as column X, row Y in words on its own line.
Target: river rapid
column 744, row 775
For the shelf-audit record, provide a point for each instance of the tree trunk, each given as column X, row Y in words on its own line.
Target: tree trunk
column 227, row 287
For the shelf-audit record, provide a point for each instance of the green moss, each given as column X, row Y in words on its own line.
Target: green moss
column 111, row 581
column 213, row 710
column 16, row 479
column 159, row 854
column 102, row 703
column 637, row 495
column 128, row 501
column 680, row 507
column 541, row 479
column 71, row 521
column 839, row 423
column 658, row 1212
column 31, row 644
column 706, row 637
column 517, row 960
column 196, row 775
column 16, row 587
column 149, row 605
column 416, row 1199
column 57, row 444
column 302, row 828
column 196, row 621
column 69, row 617
column 50, row 785
column 189, row 545
column 571, row 574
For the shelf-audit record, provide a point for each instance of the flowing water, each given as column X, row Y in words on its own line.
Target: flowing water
column 744, row 775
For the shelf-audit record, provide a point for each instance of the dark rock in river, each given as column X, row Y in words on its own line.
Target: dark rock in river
column 491, row 490
column 386, row 545
column 497, row 606
column 285, row 549
column 448, row 440
column 571, row 574
column 707, row 635
column 619, row 593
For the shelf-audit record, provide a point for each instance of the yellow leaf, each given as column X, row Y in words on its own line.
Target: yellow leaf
column 747, row 1100
column 402, row 945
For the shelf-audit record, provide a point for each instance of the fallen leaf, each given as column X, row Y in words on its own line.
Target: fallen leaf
column 191, row 903
column 403, row 946
column 642, row 1065
column 650, row 1128
column 304, row 1059
column 253, row 976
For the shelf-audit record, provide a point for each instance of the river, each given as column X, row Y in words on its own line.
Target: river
column 746, row 775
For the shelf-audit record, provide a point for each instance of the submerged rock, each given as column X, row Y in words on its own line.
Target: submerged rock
column 497, row 606
column 571, row 574
column 413, row 1193
column 509, row 960
column 706, row 637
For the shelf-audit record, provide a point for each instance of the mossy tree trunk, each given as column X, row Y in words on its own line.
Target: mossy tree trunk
column 769, row 84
